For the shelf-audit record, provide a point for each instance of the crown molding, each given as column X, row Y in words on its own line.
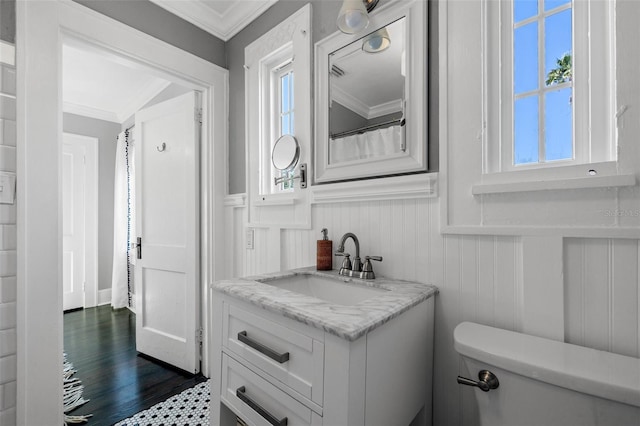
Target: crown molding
column 225, row 25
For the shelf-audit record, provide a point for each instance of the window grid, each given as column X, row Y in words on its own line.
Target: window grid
column 286, row 116
column 542, row 88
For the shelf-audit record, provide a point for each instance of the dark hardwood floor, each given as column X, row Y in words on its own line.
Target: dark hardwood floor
column 100, row 343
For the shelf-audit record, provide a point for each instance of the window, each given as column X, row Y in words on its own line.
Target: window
column 548, row 84
column 285, row 119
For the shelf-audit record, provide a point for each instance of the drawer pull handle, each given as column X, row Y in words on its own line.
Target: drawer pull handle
column 240, row 393
column 242, row 336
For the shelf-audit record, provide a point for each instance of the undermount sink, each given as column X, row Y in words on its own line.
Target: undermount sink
column 335, row 291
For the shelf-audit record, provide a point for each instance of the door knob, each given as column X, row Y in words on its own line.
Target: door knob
column 486, row 381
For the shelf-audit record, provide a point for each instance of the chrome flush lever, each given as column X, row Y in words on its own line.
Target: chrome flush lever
column 487, row 381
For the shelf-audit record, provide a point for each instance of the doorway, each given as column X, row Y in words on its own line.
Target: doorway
column 41, row 29
column 79, row 221
column 139, row 110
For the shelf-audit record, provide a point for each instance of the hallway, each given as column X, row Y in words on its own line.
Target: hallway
column 100, row 343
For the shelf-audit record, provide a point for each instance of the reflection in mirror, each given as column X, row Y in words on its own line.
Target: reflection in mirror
column 367, row 96
column 284, row 157
column 286, row 152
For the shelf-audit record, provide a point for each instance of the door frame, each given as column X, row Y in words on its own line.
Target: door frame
column 41, row 29
column 90, row 297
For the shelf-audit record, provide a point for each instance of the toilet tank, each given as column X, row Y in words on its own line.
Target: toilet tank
column 545, row 382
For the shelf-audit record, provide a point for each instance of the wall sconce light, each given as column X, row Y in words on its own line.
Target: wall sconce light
column 377, row 42
column 353, row 16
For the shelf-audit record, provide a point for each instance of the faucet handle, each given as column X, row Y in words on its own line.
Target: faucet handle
column 346, row 263
column 367, row 268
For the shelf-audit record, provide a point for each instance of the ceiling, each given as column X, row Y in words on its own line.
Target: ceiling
column 96, row 86
column 107, row 88
column 372, row 84
column 222, row 18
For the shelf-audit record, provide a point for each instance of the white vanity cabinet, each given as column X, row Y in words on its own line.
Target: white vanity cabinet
column 268, row 369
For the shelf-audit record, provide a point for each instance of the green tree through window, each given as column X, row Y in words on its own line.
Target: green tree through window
column 562, row 73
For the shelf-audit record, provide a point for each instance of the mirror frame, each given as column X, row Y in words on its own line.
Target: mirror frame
column 296, row 155
column 416, row 114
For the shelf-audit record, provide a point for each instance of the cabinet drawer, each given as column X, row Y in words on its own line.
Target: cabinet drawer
column 257, row 401
column 290, row 356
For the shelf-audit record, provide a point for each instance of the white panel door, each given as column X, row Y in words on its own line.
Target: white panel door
column 167, row 221
column 73, row 224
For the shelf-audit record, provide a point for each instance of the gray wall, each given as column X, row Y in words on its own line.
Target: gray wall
column 324, row 13
column 342, row 119
column 324, row 23
column 106, row 132
column 8, row 20
column 154, row 20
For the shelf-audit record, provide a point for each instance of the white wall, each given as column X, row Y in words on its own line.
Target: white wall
column 562, row 284
column 481, row 279
column 8, row 240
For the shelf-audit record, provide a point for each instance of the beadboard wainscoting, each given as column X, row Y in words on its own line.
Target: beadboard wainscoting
column 584, row 291
column 602, row 295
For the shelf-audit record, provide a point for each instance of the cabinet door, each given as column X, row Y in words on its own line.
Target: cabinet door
column 258, row 402
column 290, row 356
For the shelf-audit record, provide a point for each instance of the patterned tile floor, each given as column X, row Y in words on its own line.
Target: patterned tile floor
column 189, row 408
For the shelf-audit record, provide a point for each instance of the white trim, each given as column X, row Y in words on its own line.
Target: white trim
column 356, row 105
column 235, row 200
column 549, row 185
column 152, row 89
column 104, row 297
column 386, row 108
column 289, row 39
column 7, row 53
column 349, row 101
column 86, row 111
column 414, row 158
column 42, row 26
column 565, row 231
column 422, row 185
column 223, row 26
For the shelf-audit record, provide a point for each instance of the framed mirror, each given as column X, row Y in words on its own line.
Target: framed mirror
column 371, row 96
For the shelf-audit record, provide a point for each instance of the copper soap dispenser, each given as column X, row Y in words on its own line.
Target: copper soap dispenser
column 324, row 253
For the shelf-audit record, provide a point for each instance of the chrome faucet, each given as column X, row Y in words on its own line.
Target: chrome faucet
column 355, row 269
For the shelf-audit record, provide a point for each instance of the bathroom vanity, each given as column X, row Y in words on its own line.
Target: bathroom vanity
column 306, row 347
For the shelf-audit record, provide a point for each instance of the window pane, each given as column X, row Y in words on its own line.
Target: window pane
column 558, row 44
column 552, row 4
column 285, row 92
column 525, row 51
column 523, row 9
column 558, row 117
column 291, row 97
column 525, row 126
column 286, row 125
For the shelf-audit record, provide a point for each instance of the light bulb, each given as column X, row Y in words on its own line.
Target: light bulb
column 355, row 20
column 353, row 17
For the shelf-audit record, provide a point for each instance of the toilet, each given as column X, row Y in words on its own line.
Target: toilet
column 537, row 381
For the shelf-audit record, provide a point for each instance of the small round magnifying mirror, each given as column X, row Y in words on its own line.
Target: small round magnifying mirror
column 286, row 152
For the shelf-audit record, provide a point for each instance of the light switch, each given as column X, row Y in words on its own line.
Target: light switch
column 249, row 239
column 7, row 188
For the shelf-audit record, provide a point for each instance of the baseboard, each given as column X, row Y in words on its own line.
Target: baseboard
column 104, row 297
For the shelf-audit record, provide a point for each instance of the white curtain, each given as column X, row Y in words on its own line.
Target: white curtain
column 374, row 143
column 123, row 221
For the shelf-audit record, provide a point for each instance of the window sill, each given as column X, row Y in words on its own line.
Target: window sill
column 275, row 200
column 572, row 177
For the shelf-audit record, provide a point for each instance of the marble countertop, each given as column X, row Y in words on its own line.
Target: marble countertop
column 348, row 322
